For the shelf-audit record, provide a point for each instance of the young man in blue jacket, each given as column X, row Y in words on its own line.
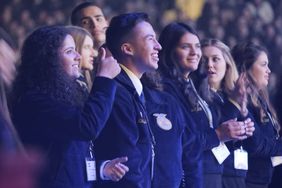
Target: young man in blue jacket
column 132, row 41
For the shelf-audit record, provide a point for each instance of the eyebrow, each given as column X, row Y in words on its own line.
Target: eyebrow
column 68, row 48
column 95, row 16
column 149, row 35
column 187, row 43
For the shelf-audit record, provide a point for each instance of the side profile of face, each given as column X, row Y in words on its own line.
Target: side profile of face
column 260, row 71
column 93, row 20
column 87, row 54
column 144, row 47
column 188, row 53
column 69, row 57
column 215, row 65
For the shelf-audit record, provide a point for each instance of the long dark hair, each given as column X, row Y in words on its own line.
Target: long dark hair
column 41, row 69
column 245, row 55
column 168, row 66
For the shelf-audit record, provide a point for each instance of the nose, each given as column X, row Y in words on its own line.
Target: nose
column 268, row 70
column 77, row 56
column 92, row 54
column 209, row 63
column 92, row 23
column 157, row 45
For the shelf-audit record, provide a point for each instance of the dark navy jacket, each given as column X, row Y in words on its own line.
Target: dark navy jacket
column 127, row 134
column 171, row 145
column 261, row 146
column 63, row 131
column 206, row 136
column 229, row 111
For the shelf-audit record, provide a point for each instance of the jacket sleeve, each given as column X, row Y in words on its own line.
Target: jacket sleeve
column 262, row 143
column 47, row 117
column 191, row 161
column 206, row 139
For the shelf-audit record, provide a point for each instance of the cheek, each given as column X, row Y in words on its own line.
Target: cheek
column 255, row 73
column 181, row 59
column 222, row 72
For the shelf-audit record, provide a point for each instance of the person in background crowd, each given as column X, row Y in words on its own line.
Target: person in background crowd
column 179, row 57
column 265, row 146
column 277, row 174
column 89, row 16
column 222, row 75
column 50, row 115
column 84, row 46
column 132, row 41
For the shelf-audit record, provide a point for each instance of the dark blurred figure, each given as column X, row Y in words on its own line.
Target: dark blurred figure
column 14, row 164
column 7, row 73
column 277, row 174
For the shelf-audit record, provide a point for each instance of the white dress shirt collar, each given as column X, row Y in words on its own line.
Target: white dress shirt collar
column 134, row 79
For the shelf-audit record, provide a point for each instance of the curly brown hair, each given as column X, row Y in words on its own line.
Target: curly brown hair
column 41, row 69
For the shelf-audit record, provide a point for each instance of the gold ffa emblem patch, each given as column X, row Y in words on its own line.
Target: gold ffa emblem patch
column 162, row 121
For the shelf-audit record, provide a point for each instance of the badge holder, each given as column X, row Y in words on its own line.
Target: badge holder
column 90, row 165
column 220, row 152
column 241, row 159
column 276, row 160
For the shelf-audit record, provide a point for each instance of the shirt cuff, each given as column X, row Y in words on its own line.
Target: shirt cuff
column 102, row 169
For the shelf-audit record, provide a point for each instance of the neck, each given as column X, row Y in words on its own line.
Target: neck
column 134, row 69
column 98, row 44
column 186, row 76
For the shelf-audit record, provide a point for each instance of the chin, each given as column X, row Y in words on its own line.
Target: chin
column 155, row 67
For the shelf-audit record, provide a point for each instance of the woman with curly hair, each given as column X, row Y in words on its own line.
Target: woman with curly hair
column 49, row 112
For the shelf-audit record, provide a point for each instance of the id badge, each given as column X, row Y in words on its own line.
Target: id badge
column 276, row 160
column 240, row 159
column 90, row 169
column 220, row 152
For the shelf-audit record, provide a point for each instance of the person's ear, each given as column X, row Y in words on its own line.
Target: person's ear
column 127, row 49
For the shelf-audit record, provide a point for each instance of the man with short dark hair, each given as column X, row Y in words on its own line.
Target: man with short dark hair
column 132, row 41
column 89, row 16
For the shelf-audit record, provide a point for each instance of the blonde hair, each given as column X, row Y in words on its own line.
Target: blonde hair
column 231, row 74
column 79, row 34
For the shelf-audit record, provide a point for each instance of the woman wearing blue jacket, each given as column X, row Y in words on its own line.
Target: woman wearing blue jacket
column 265, row 146
column 176, row 149
column 220, row 87
column 179, row 57
column 49, row 112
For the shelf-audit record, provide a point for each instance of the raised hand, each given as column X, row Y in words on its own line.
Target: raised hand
column 107, row 66
column 249, row 127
